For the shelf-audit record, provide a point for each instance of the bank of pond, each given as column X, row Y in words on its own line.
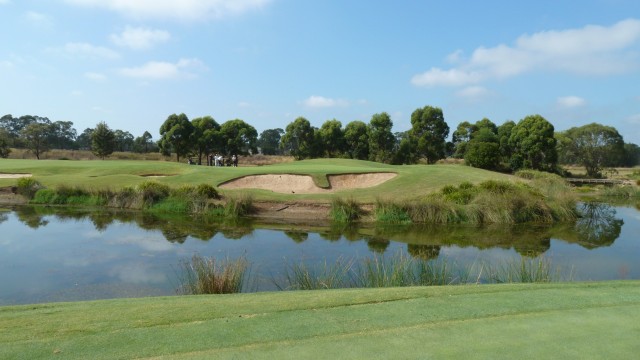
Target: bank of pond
column 68, row 253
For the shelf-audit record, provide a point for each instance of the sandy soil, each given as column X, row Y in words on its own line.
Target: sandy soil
column 13, row 176
column 303, row 184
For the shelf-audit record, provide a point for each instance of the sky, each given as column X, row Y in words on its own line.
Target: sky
column 132, row 63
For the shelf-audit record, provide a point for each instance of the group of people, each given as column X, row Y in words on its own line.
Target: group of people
column 218, row 160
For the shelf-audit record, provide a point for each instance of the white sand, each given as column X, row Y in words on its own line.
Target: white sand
column 13, row 176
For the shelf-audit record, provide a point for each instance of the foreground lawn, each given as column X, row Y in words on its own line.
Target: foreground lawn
column 577, row 320
column 412, row 180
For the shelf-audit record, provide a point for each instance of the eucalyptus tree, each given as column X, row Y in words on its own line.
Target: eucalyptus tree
column 331, row 138
column 298, row 139
column 176, row 134
column 533, row 144
column 594, row 146
column 206, row 136
column 269, row 141
column 429, row 132
column 238, row 137
column 381, row 139
column 356, row 140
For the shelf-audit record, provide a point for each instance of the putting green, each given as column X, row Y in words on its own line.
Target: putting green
column 576, row 320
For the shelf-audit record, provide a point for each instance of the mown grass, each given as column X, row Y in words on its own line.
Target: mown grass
column 542, row 321
column 411, row 181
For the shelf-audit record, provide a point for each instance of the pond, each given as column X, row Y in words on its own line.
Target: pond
column 49, row 254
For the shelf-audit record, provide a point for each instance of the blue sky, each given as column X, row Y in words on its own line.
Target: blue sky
column 131, row 63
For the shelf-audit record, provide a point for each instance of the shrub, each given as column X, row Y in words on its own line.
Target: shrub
column 28, row 186
column 237, row 206
column 153, row 191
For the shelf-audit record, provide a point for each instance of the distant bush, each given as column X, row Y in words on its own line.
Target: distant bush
column 153, row 191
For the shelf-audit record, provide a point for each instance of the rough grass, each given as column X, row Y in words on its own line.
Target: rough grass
column 541, row 321
column 206, row 275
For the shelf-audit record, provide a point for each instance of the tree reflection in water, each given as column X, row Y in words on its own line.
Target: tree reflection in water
column 598, row 225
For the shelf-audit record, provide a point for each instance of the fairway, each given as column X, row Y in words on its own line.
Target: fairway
column 576, row 321
column 412, row 181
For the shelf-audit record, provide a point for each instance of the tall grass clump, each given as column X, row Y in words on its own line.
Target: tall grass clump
column 526, row 270
column 299, row 276
column 28, row 187
column 345, row 211
column 622, row 191
column 206, row 275
column 388, row 212
column 237, row 206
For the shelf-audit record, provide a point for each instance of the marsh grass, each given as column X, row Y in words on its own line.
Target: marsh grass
column 300, row 276
column 622, row 191
column 207, row 275
column 545, row 200
column 237, row 206
column 525, row 270
column 28, row 187
column 345, row 211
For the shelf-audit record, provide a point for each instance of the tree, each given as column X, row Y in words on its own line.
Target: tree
column 206, row 136
column 4, row 144
column 269, row 141
column 483, row 150
column 123, row 140
column 429, row 131
column 35, row 136
column 461, row 137
column 357, row 140
column 102, row 140
column 144, row 143
column 83, row 141
column 238, row 137
column 533, row 144
column 63, row 135
column 631, row 156
column 381, row 139
column 176, row 134
column 298, row 139
column 594, row 146
column 331, row 138
column 504, row 133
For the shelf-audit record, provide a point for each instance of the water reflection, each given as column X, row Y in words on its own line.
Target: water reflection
column 598, row 227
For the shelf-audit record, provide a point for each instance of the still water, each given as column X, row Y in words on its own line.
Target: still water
column 66, row 255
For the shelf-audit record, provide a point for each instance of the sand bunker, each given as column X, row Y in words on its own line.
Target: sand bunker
column 303, row 184
column 13, row 176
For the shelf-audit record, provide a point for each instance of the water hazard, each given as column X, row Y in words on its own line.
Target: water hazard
column 66, row 255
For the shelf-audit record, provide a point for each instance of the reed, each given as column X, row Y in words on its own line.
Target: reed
column 524, row 270
column 345, row 211
column 300, row 276
column 206, row 275
column 236, row 206
column 28, row 187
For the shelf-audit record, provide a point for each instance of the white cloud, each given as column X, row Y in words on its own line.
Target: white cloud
column 323, row 102
column 158, row 70
column 183, row 10
column 594, row 50
column 95, row 76
column 90, row 51
column 140, row 38
column 244, row 104
column 38, row 19
column 571, row 102
column 473, row 92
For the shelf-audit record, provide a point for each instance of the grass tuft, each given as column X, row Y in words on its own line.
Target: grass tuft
column 345, row 211
column 206, row 275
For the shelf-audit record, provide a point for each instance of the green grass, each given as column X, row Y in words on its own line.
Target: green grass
column 536, row 321
column 206, row 275
column 412, row 180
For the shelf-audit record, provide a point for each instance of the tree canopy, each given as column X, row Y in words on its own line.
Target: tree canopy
column 593, row 146
column 429, row 132
column 176, row 134
column 533, row 144
column 102, row 140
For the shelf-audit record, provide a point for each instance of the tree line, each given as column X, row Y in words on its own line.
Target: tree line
column 531, row 143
